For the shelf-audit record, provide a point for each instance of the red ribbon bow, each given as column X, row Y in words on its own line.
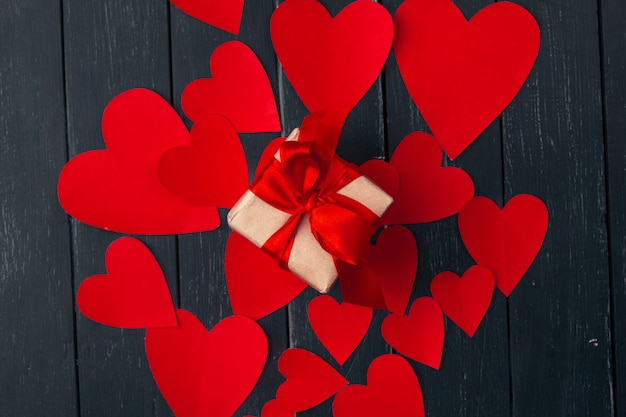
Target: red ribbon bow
column 305, row 181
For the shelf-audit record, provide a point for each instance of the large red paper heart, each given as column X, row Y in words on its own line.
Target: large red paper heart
column 204, row 373
column 212, row 171
column 331, row 62
column 419, row 335
column 506, row 241
column 340, row 327
column 427, row 191
column 223, row 14
column 118, row 189
column 133, row 294
column 464, row 300
column 463, row 74
column 257, row 286
column 392, row 391
column 310, row 380
column 239, row 90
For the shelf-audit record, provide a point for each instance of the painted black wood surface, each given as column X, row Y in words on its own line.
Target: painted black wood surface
column 554, row 348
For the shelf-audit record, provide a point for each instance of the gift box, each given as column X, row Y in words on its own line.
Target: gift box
column 309, row 209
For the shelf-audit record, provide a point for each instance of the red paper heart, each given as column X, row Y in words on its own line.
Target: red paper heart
column 257, row 286
column 427, row 191
column 212, row 171
column 310, row 380
column 273, row 408
column 505, row 241
column 133, row 294
column 392, row 391
column 382, row 174
column 204, row 373
column 464, row 300
column 118, row 189
column 330, row 62
column 419, row 335
column 340, row 327
column 239, row 90
column 223, row 14
column 463, row 74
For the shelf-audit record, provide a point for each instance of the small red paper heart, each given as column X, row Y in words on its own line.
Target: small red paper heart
column 419, row 335
column 257, row 286
column 223, row 14
column 505, row 241
column 133, row 294
column 464, row 300
column 392, row 390
column 310, row 380
column 427, row 191
column 463, row 74
column 273, row 408
column 212, row 171
column 239, row 91
column 204, row 373
column 330, row 62
column 340, row 327
column 118, row 189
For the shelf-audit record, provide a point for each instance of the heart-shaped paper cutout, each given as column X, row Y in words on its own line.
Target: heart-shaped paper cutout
column 330, row 62
column 274, row 408
column 133, row 294
column 310, row 380
column 394, row 261
column 212, row 171
column 464, row 300
column 340, row 327
column 239, row 91
column 463, row 74
column 204, row 373
column 427, row 191
column 118, row 189
column 223, row 14
column 257, row 286
column 505, row 241
column 392, row 391
column 419, row 335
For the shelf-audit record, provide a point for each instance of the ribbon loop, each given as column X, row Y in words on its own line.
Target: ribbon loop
column 304, row 181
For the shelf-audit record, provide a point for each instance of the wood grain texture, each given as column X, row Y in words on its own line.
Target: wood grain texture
column 553, row 148
column 202, row 279
column 112, row 46
column 613, row 38
column 36, row 324
column 474, row 375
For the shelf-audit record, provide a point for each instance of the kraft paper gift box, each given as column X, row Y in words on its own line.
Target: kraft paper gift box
column 258, row 221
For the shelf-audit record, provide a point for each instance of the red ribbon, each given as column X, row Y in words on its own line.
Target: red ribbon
column 306, row 181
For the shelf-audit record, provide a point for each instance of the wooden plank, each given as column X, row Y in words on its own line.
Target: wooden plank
column 202, row 279
column 112, row 46
column 474, row 375
column 37, row 375
column 553, row 147
column 362, row 139
column 613, row 38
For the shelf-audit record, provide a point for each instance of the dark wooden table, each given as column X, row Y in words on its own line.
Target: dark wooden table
column 554, row 348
